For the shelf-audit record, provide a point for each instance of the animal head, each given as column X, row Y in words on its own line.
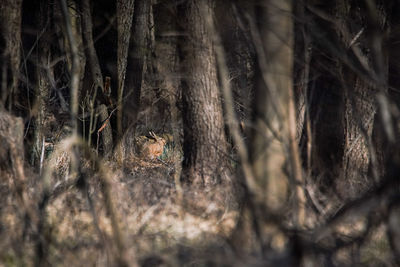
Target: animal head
column 150, row 148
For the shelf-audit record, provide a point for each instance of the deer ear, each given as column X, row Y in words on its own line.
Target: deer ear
column 153, row 135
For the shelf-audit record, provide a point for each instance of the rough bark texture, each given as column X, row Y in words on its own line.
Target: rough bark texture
column 106, row 133
column 10, row 27
column 204, row 145
column 240, row 54
column 359, row 165
column 136, row 60
column 360, row 169
column 301, row 69
column 360, row 109
column 343, row 105
column 42, row 73
column 124, row 20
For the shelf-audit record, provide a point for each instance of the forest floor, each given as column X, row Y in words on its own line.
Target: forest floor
column 77, row 227
column 136, row 209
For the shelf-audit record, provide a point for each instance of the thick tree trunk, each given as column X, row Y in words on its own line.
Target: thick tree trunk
column 360, row 163
column 240, row 54
column 136, row 60
column 10, row 27
column 343, row 105
column 165, row 63
column 43, row 81
column 360, row 108
column 270, row 138
column 124, row 15
column 204, row 145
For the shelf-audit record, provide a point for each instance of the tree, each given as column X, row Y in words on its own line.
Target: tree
column 97, row 80
column 204, row 146
column 124, row 14
column 342, row 96
column 10, row 27
column 273, row 142
column 136, row 60
column 43, row 73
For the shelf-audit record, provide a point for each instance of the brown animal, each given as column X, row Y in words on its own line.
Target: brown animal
column 150, row 148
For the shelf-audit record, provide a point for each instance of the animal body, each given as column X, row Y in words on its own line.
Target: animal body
column 150, row 147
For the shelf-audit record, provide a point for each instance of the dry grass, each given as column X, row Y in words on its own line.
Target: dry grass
column 128, row 208
column 77, row 228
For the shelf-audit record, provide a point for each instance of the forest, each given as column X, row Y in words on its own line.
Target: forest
column 199, row 133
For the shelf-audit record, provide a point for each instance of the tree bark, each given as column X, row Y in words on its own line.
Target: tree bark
column 343, row 101
column 301, row 69
column 76, row 19
column 325, row 99
column 136, row 60
column 42, row 73
column 74, row 68
column 95, row 70
column 106, row 131
column 97, row 76
column 240, row 54
column 124, row 15
column 360, row 168
column 204, row 145
column 10, row 26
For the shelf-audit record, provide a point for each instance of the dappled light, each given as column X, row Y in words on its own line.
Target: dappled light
column 199, row 133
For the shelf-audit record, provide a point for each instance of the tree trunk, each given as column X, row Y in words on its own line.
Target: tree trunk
column 360, row 169
column 136, row 60
column 75, row 67
column 105, row 131
column 124, row 15
column 204, row 145
column 270, row 137
column 166, row 65
column 240, row 54
column 75, row 15
column 343, row 105
column 43, row 81
column 97, row 76
column 76, row 19
column 10, row 27
column 301, row 68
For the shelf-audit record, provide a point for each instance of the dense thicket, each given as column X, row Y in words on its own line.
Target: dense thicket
column 272, row 123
